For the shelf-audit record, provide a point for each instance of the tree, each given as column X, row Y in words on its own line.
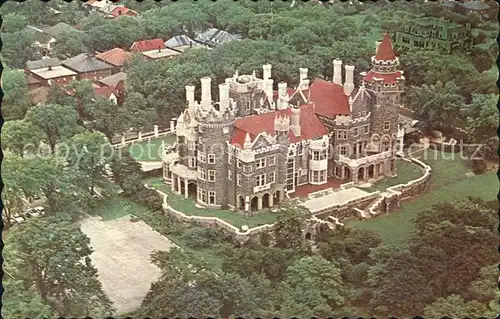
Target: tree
column 13, row 22
column 436, row 103
column 136, row 107
column 110, row 118
column 83, row 94
column 454, row 306
column 90, row 153
column 127, row 172
column 20, row 136
column 288, row 229
column 58, row 122
column 52, row 256
column 17, row 302
column 18, row 48
column 16, row 100
column 70, row 43
column 482, row 59
column 485, row 288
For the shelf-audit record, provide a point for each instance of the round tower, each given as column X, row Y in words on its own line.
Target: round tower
column 215, row 128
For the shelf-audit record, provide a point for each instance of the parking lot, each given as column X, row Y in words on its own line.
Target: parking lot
column 122, row 251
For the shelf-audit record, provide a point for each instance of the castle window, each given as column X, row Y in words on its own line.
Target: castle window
column 272, row 160
column 342, row 135
column 355, row 131
column 200, row 140
column 191, row 145
column 260, row 180
column 238, row 163
column 343, row 150
column 202, row 195
column 202, row 174
column 248, row 168
column 367, row 129
column 229, row 175
column 272, row 177
column 260, row 163
column 323, row 155
column 211, row 198
column 322, row 175
column 248, row 105
column 238, row 179
column 211, row 158
column 299, row 149
column 315, row 176
column 315, row 155
column 230, row 159
column 192, row 161
column 387, row 125
column 211, row 175
column 201, row 157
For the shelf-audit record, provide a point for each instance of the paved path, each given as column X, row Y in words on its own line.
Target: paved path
column 122, row 251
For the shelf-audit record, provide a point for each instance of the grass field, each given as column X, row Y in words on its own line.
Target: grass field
column 149, row 151
column 188, row 207
column 406, row 172
column 448, row 183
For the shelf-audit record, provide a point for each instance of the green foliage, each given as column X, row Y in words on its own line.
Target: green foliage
column 19, row 302
column 197, row 237
column 455, row 306
column 18, row 47
column 51, row 256
column 16, row 99
column 13, row 22
column 20, row 135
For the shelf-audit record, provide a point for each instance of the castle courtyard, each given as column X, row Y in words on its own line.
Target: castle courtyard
column 122, row 256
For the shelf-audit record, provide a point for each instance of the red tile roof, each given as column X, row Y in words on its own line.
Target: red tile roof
column 147, row 45
column 329, row 98
column 123, row 11
column 116, row 56
column 311, row 126
column 387, row 78
column 385, row 51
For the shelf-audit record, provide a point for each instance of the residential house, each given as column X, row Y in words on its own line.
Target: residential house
column 53, row 75
column 181, row 43
column 116, row 82
column 45, row 39
column 88, row 67
column 434, row 34
column 116, row 57
column 107, row 93
column 32, row 80
column 147, row 45
column 214, row 37
column 160, row 54
column 123, row 11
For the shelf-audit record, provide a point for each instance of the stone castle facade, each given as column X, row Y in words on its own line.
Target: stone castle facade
column 255, row 146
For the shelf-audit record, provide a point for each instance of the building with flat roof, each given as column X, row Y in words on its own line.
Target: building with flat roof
column 160, row 54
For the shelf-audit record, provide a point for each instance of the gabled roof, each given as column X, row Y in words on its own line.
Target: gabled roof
column 310, row 125
column 178, row 41
column 329, row 98
column 114, row 79
column 39, row 35
column 385, row 51
column 44, row 63
column 116, row 56
column 216, row 36
column 84, row 63
column 104, row 91
column 122, row 11
column 147, row 45
column 58, row 29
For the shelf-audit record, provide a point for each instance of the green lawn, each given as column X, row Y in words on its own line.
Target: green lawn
column 448, row 183
column 149, row 150
column 188, row 207
column 406, row 172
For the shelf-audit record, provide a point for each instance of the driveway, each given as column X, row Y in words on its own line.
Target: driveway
column 122, row 251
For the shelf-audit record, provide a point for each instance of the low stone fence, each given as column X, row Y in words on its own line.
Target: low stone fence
column 142, row 137
column 347, row 209
column 390, row 200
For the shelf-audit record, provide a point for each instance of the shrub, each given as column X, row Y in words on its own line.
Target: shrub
column 200, row 237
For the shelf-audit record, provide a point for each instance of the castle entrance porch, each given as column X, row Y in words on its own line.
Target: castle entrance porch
column 277, row 196
column 361, row 174
column 371, row 171
column 241, row 203
column 267, row 201
column 254, row 204
column 192, row 189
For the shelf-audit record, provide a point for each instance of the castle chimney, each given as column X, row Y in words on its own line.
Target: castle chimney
column 282, row 104
column 269, row 89
column 190, row 94
column 295, row 121
column 337, row 71
column 266, row 74
column 159, row 49
column 206, row 94
column 349, row 79
column 223, row 97
column 303, row 74
column 248, row 142
column 281, row 128
column 351, row 102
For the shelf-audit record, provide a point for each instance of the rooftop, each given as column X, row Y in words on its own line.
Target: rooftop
column 58, row 29
column 179, row 41
column 85, row 63
column 116, row 56
column 53, row 72
column 329, row 98
column 147, row 45
column 310, row 125
column 122, row 11
column 44, row 63
column 114, row 79
column 385, row 51
column 216, row 36
column 158, row 54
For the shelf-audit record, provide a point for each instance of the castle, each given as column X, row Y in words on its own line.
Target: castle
column 255, row 146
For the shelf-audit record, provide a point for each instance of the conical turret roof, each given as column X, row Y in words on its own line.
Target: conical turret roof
column 385, row 51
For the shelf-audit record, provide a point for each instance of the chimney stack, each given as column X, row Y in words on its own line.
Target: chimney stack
column 266, row 74
column 303, row 74
column 282, row 104
column 190, row 94
column 337, row 71
column 159, row 49
column 223, row 97
column 269, row 89
column 295, row 121
column 349, row 79
column 206, row 94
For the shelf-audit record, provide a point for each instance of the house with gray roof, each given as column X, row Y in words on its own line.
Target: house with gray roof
column 88, row 67
column 181, row 43
column 45, row 39
column 214, row 37
column 43, row 63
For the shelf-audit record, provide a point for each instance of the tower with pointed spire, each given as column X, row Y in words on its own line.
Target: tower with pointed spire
column 386, row 82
